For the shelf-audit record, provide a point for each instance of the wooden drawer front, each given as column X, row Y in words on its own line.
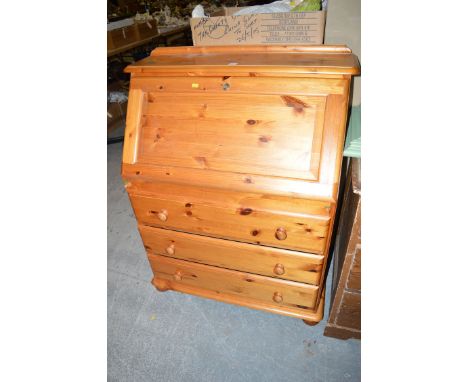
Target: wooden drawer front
column 235, row 200
column 273, row 262
column 224, row 281
column 299, row 232
column 240, row 85
column 275, row 135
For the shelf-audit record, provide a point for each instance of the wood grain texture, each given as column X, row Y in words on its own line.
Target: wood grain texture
column 307, row 233
column 228, row 72
column 333, row 140
column 135, row 110
column 332, row 152
column 257, row 59
column 267, row 261
column 242, row 146
column 256, row 134
column 350, row 311
column 343, row 333
column 234, row 200
column 232, row 164
column 242, row 182
column 300, row 313
column 239, row 85
column 227, row 282
column 236, row 49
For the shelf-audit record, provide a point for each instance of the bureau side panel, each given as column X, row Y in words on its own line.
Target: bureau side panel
column 332, row 154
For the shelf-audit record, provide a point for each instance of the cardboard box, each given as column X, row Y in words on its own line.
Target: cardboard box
column 291, row 28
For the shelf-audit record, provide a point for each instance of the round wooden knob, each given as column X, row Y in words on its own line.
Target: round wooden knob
column 281, row 233
column 171, row 249
column 162, row 215
column 277, row 297
column 178, row 276
column 279, row 269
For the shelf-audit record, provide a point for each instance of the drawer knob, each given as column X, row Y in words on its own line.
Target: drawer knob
column 162, row 215
column 171, row 249
column 281, row 233
column 279, row 269
column 178, row 276
column 226, row 86
column 277, row 297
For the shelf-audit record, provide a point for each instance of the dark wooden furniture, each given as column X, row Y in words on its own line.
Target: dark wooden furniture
column 165, row 36
column 143, row 42
column 345, row 308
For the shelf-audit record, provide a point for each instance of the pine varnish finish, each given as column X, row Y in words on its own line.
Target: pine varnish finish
column 231, row 160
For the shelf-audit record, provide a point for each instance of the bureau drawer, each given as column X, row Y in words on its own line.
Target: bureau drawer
column 267, row 261
column 272, row 228
column 228, row 282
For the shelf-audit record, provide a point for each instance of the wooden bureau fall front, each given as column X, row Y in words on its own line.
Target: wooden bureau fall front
column 231, row 160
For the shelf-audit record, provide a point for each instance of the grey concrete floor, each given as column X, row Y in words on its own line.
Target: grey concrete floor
column 170, row 337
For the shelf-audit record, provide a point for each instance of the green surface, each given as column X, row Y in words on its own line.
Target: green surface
column 353, row 136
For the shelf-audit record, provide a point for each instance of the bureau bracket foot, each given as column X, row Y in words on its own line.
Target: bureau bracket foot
column 161, row 285
column 310, row 323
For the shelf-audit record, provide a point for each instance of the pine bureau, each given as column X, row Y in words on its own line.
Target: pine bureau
column 231, row 160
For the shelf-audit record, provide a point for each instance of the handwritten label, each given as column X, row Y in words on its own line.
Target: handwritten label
column 240, row 28
column 295, row 27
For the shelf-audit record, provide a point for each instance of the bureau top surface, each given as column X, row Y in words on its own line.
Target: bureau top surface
column 318, row 59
